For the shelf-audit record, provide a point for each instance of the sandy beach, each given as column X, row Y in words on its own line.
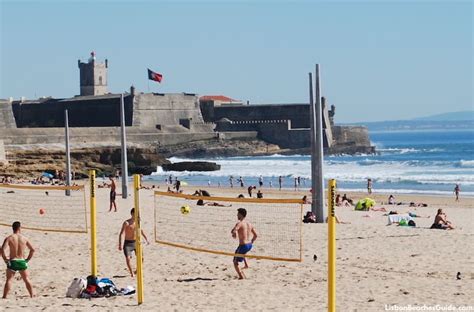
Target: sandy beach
column 377, row 265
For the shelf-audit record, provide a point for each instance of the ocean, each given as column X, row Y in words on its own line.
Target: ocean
column 421, row 162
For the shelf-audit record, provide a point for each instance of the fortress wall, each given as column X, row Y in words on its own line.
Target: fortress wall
column 3, row 158
column 297, row 113
column 7, row 119
column 351, row 135
column 99, row 136
column 83, row 112
column 153, row 109
column 285, row 137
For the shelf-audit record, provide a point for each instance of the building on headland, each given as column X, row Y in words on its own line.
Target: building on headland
column 165, row 119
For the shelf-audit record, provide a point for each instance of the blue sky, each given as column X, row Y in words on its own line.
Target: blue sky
column 379, row 60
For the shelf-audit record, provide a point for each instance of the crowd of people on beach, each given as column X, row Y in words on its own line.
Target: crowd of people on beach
column 17, row 244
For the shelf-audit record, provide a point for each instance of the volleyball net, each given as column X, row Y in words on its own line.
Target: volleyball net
column 44, row 208
column 206, row 224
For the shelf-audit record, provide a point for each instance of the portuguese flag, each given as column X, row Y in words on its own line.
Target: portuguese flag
column 154, row 76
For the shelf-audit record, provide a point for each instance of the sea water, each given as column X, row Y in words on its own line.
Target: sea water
column 430, row 162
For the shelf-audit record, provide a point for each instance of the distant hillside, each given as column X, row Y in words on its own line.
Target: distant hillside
column 463, row 115
column 447, row 121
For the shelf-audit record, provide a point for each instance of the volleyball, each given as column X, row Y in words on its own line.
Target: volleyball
column 185, row 209
column 42, row 211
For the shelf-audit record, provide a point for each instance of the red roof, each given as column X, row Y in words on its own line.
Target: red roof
column 221, row 98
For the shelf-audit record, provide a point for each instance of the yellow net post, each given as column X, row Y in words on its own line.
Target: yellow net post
column 93, row 224
column 138, row 232
column 332, row 246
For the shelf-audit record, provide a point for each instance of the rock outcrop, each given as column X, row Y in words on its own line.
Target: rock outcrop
column 105, row 160
column 191, row 166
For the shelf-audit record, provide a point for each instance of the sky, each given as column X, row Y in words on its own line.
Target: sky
column 379, row 60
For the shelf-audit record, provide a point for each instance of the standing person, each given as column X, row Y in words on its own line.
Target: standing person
column 369, row 186
column 128, row 228
column 177, row 185
column 113, row 194
column 260, row 181
column 296, row 183
column 170, row 179
column 16, row 262
column 270, row 184
column 243, row 229
column 241, row 180
column 280, row 180
column 457, row 190
column 299, row 182
column 231, row 181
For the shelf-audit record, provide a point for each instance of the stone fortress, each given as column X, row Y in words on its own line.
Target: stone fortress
column 158, row 120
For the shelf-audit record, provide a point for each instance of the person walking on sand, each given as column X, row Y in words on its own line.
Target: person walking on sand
column 369, row 186
column 457, row 190
column 128, row 247
column 242, row 230
column 231, row 181
column 16, row 262
column 113, row 194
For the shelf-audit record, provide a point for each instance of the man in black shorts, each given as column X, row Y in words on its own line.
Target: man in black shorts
column 128, row 228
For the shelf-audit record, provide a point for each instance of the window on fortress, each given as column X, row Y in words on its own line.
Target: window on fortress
column 100, row 80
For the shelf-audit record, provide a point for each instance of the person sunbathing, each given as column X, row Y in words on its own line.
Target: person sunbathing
column 200, row 202
column 441, row 222
column 338, row 221
column 378, row 209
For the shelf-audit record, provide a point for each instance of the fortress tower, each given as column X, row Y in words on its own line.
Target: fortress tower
column 93, row 76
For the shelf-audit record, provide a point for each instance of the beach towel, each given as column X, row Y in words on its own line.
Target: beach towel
column 396, row 218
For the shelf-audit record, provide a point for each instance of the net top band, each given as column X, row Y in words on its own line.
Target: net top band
column 42, row 187
column 233, row 199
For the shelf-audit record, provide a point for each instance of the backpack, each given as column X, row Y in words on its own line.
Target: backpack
column 76, row 288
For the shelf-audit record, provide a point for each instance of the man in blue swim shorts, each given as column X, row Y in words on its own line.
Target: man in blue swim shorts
column 243, row 229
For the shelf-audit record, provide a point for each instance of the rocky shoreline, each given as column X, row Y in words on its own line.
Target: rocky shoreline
column 32, row 160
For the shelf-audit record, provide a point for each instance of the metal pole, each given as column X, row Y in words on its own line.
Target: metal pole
column 93, row 223
column 317, row 179
column 68, row 153
column 138, row 243
column 124, row 149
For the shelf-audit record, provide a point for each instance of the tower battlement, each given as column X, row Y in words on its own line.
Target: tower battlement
column 93, row 76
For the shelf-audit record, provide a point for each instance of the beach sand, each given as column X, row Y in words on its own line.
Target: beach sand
column 377, row 265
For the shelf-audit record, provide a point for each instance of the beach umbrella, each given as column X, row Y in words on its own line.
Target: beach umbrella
column 47, row 175
column 365, row 204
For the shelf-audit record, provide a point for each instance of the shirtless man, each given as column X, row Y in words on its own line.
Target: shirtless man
column 17, row 244
column 113, row 194
column 128, row 227
column 243, row 230
column 441, row 222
